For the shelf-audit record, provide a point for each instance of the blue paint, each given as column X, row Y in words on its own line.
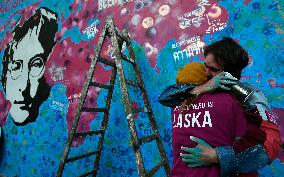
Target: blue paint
column 37, row 147
column 24, row 143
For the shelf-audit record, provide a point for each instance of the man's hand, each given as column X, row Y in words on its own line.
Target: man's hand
column 224, row 80
column 202, row 155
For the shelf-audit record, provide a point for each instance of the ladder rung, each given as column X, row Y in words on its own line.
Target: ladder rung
column 137, row 110
column 95, row 84
column 81, row 156
column 156, row 168
column 85, row 109
column 136, row 84
column 147, row 139
column 88, row 173
column 130, row 60
column 78, row 134
column 107, row 62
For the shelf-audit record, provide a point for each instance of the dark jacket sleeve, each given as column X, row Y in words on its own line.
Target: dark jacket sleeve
column 247, row 161
column 174, row 94
column 249, row 151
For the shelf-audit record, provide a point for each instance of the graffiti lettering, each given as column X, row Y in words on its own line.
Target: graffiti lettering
column 186, row 42
column 215, row 25
column 185, row 21
column 194, row 12
column 192, row 50
column 103, row 4
column 196, row 21
column 77, row 95
column 58, row 75
column 92, row 30
column 9, row 5
column 58, row 106
column 73, row 99
column 203, row 3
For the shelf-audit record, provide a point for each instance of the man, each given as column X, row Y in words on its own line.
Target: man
column 24, row 64
column 261, row 143
column 204, row 116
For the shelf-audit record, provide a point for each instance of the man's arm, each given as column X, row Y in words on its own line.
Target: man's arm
column 263, row 127
column 249, row 160
column 231, row 163
column 175, row 94
column 237, row 159
column 223, row 80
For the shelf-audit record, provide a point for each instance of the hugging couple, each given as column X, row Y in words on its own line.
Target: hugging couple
column 220, row 126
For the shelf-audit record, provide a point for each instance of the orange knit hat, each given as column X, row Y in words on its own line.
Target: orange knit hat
column 192, row 73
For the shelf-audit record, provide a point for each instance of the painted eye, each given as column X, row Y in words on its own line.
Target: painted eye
column 16, row 65
column 36, row 66
column 15, row 69
column 37, row 63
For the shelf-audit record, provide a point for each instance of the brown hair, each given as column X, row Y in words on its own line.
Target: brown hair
column 232, row 57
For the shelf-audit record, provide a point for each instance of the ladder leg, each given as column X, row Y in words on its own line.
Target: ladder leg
column 80, row 105
column 127, row 104
column 149, row 108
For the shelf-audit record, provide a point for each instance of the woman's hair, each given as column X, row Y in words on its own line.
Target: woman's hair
column 192, row 73
column 229, row 55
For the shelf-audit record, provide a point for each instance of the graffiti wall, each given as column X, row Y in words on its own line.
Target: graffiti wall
column 46, row 51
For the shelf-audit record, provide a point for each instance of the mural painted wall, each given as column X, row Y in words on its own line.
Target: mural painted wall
column 46, row 49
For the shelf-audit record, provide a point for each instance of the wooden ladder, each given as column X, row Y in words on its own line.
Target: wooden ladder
column 117, row 40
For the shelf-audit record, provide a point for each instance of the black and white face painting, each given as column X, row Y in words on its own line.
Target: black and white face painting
column 23, row 75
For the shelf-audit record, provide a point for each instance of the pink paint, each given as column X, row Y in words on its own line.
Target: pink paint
column 250, row 60
column 237, row 40
column 246, row 2
column 25, row 14
column 135, row 105
column 246, row 77
column 76, row 57
column 9, row 5
column 5, row 106
column 158, row 70
column 160, row 36
column 272, row 83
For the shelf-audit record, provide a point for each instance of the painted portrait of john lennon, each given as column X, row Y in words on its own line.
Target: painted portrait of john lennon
column 24, row 65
